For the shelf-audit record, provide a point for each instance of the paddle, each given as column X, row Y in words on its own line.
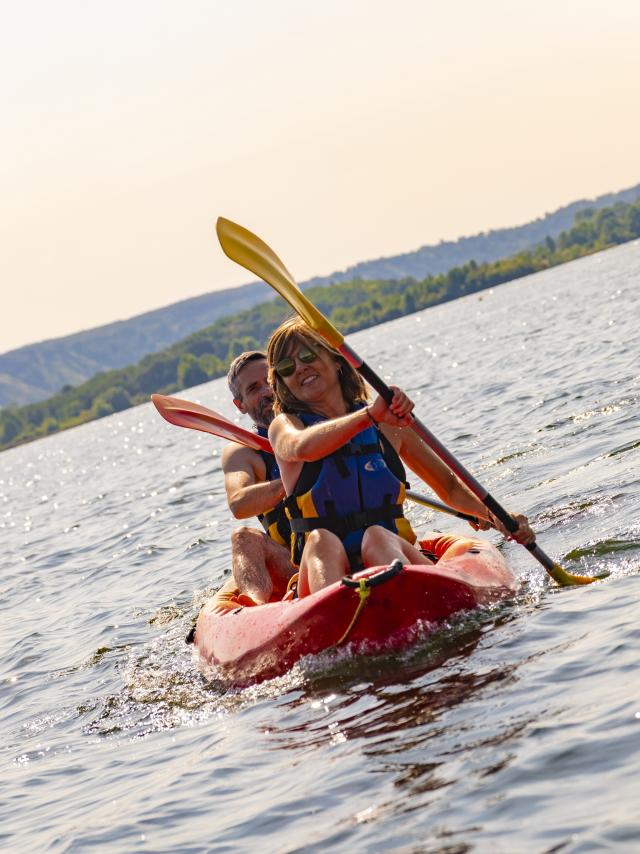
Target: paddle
column 248, row 250
column 418, row 498
column 183, row 413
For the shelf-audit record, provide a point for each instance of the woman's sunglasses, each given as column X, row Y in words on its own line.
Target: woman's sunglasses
column 287, row 366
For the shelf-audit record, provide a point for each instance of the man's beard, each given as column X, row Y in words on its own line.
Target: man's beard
column 263, row 414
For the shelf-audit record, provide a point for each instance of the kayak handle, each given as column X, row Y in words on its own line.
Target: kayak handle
column 379, row 578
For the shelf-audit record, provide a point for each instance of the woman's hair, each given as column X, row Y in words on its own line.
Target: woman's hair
column 280, row 344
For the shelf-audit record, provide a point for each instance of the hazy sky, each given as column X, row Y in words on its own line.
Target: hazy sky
column 339, row 130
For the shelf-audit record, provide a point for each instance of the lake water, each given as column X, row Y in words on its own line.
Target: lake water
column 513, row 729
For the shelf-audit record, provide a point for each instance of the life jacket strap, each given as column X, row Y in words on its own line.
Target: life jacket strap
column 355, row 449
column 344, row 524
column 276, row 524
column 271, row 516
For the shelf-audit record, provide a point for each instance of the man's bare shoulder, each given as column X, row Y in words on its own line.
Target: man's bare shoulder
column 236, row 457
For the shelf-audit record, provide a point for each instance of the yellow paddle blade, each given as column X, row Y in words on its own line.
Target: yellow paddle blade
column 248, row 250
column 568, row 579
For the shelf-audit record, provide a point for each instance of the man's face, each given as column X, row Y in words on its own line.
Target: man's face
column 255, row 394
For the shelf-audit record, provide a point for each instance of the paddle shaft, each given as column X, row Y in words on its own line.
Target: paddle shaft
column 446, row 456
column 417, row 498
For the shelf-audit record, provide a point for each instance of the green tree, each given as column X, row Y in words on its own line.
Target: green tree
column 240, row 345
column 408, row 303
column 118, row 398
column 100, row 408
column 11, row 425
column 212, row 366
column 49, row 426
column 190, row 372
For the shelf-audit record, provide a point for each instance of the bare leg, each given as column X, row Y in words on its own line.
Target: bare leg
column 259, row 565
column 380, row 546
column 324, row 561
column 279, row 566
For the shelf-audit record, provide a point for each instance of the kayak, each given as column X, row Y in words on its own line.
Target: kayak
column 381, row 608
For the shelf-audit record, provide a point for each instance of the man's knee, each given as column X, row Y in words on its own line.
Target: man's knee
column 245, row 537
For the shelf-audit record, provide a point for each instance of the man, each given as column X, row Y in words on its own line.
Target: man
column 261, row 564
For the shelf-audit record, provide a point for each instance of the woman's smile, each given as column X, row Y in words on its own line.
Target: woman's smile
column 309, row 379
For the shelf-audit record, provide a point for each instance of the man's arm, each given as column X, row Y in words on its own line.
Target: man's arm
column 248, row 493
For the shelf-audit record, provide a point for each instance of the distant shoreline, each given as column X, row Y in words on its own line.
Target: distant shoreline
column 353, row 305
column 38, row 371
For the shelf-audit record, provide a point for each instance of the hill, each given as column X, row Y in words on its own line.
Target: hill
column 350, row 305
column 481, row 248
column 36, row 371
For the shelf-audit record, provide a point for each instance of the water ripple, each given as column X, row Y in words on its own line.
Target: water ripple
column 513, row 728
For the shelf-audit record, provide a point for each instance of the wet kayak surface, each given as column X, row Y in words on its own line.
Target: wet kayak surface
column 513, row 728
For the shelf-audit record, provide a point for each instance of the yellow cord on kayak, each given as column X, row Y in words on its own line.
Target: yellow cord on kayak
column 363, row 592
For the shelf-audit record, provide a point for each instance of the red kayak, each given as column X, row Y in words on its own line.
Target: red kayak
column 377, row 609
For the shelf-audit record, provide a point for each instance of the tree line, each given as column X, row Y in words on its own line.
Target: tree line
column 351, row 306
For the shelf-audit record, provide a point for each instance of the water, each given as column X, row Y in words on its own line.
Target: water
column 516, row 729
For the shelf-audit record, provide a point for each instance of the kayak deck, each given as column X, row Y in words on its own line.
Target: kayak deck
column 251, row 643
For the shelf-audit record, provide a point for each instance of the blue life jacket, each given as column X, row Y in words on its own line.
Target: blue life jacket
column 359, row 485
column 274, row 521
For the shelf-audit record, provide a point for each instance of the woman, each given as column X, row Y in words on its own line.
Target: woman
column 340, row 461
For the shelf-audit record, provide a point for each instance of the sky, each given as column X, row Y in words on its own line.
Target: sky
column 338, row 131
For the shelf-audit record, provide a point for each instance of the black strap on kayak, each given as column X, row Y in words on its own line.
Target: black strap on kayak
column 379, row 578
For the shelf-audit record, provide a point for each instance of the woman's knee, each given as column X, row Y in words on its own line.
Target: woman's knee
column 324, row 560
column 379, row 545
column 377, row 536
column 322, row 539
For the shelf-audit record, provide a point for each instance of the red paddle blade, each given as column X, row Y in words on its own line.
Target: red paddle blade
column 183, row 413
